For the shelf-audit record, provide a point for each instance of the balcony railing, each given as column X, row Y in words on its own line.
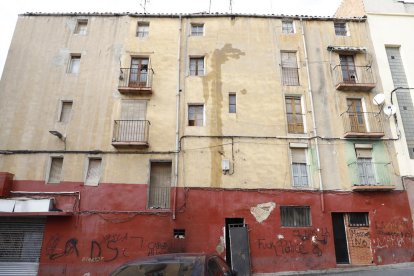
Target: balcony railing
column 130, row 133
column 367, row 175
column 159, row 198
column 135, row 81
column 362, row 125
column 353, row 78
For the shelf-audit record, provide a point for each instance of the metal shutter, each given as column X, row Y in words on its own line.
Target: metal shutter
column 21, row 241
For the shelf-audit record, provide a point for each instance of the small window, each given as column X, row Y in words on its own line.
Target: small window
column 197, row 66
column 294, row 114
column 295, row 216
column 196, row 115
column 287, row 27
column 290, row 75
column 143, row 29
column 81, row 26
column 232, row 103
column 358, row 220
column 74, row 64
column 197, row 29
column 55, row 172
column 299, row 167
column 340, row 28
column 179, row 233
column 93, row 173
column 66, row 109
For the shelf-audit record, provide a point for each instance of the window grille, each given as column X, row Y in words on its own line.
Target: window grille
column 160, row 185
column 295, row 216
column 358, row 219
column 290, row 75
column 340, row 28
column 287, row 27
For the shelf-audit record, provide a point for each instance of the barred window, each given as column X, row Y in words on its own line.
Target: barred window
column 340, row 28
column 287, row 27
column 358, row 219
column 290, row 75
column 295, row 216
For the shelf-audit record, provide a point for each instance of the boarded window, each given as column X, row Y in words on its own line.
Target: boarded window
column 358, row 219
column 340, row 28
column 55, row 172
column 294, row 114
column 81, row 26
column 197, row 66
column 160, row 185
column 287, row 27
column 197, row 29
column 299, row 167
column 196, row 115
column 142, row 29
column 232, row 103
column 74, row 64
column 295, row 216
column 93, row 173
column 65, row 111
column 290, row 74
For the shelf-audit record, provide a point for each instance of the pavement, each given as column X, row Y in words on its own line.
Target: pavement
column 401, row 269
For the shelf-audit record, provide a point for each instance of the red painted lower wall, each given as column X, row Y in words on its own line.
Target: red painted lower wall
column 104, row 234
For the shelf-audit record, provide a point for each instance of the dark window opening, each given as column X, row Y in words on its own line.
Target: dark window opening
column 231, row 222
column 179, row 233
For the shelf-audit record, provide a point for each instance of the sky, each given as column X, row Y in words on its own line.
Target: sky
column 9, row 9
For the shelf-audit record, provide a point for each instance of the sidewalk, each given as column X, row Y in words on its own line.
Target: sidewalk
column 347, row 270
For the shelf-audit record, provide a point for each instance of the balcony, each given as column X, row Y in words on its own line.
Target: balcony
column 135, row 81
column 370, row 176
column 130, row 133
column 362, row 125
column 353, row 78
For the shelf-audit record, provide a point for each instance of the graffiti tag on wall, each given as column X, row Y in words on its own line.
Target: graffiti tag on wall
column 394, row 233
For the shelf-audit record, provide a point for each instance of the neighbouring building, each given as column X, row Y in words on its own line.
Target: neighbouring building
column 253, row 137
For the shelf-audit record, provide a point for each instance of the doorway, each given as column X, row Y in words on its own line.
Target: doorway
column 237, row 246
column 341, row 246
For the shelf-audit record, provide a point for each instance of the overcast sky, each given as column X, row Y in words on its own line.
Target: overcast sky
column 9, row 9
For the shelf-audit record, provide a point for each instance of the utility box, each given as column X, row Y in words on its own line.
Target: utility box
column 225, row 165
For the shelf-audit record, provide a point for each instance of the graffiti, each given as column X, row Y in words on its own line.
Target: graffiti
column 359, row 238
column 392, row 234
column 109, row 248
column 303, row 242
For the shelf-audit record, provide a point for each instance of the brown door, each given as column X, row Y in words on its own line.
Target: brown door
column 356, row 116
column 348, row 68
column 139, row 72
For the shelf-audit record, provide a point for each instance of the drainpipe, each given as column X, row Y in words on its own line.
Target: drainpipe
column 315, row 133
column 177, row 121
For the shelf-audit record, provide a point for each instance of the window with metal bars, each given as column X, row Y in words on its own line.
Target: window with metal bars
column 340, row 28
column 358, row 219
column 290, row 74
column 160, row 185
column 287, row 27
column 295, row 216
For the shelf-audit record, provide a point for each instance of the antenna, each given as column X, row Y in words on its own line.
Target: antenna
column 143, row 4
column 379, row 99
column 390, row 110
column 231, row 6
column 209, row 7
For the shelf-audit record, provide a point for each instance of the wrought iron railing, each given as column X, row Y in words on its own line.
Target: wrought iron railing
column 367, row 173
column 290, row 75
column 159, row 197
column 131, row 131
column 135, row 77
column 351, row 74
column 362, row 122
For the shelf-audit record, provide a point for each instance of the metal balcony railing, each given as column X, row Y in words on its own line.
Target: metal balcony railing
column 367, row 173
column 353, row 78
column 135, row 79
column 130, row 132
column 362, row 124
column 159, row 197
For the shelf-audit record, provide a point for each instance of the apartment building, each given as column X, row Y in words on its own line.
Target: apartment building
column 252, row 137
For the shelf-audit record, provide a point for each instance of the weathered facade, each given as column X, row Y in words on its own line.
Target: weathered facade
column 254, row 137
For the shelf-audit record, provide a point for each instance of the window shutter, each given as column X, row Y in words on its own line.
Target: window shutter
column 363, row 153
column 94, row 172
column 298, row 156
column 133, row 110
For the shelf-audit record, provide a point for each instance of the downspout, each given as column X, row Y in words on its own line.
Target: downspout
column 177, row 122
column 315, row 133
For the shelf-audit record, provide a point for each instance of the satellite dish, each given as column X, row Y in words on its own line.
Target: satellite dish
column 379, row 99
column 390, row 110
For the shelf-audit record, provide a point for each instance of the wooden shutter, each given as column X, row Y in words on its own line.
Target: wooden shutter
column 133, row 110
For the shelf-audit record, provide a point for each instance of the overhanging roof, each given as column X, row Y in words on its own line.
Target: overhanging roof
column 351, row 49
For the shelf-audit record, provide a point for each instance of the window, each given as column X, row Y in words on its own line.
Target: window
column 287, row 27
column 197, row 29
column 295, row 216
column 358, row 220
column 232, row 103
column 93, row 173
column 196, row 115
column 138, row 76
column 348, row 68
column 340, row 28
column 299, row 167
column 290, row 74
column 356, row 115
column 294, row 114
column 160, row 185
column 142, row 29
column 366, row 172
column 74, row 64
column 55, row 172
column 132, row 127
column 65, row 110
column 197, row 66
column 81, row 26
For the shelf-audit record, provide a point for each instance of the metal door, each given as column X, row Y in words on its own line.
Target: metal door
column 239, row 249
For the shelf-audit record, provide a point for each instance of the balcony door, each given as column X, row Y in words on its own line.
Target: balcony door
column 348, row 68
column 133, row 124
column 356, row 115
column 139, row 72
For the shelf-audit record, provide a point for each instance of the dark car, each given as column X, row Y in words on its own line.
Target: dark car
column 180, row 264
